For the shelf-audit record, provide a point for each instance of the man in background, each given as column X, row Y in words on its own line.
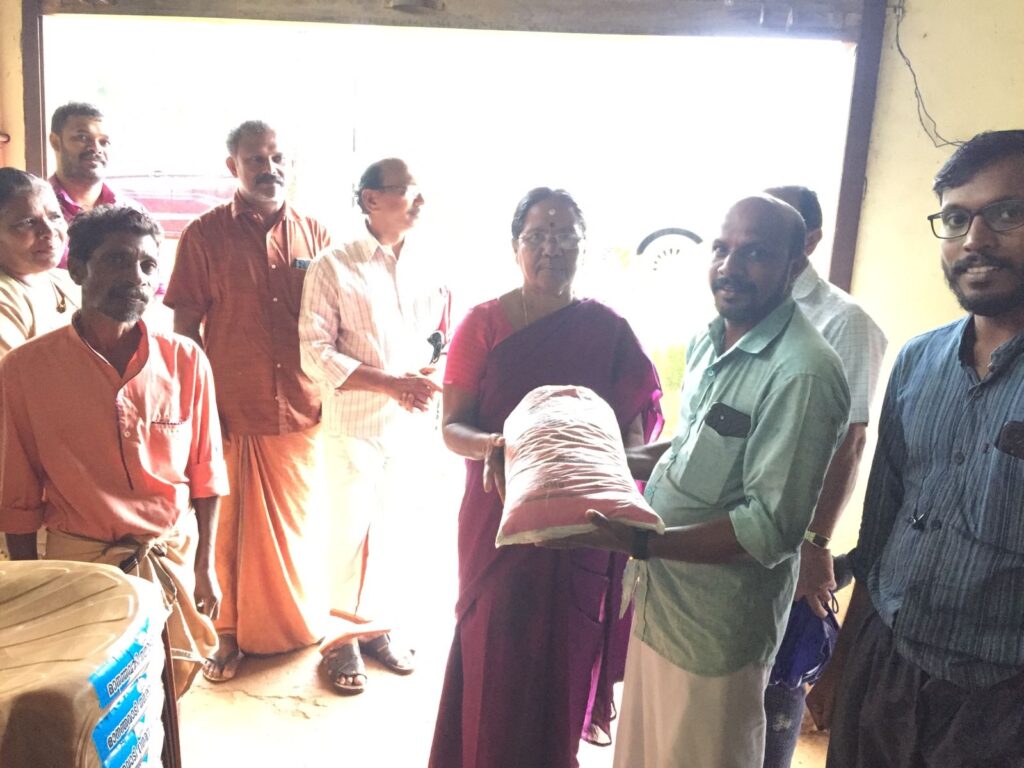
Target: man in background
column 368, row 310
column 236, row 289
column 860, row 344
column 81, row 145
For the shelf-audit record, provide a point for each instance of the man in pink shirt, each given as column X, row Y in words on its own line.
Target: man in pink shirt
column 81, row 145
column 111, row 438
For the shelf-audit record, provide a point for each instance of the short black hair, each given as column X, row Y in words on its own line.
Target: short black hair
column 807, row 203
column 89, row 229
column 14, row 181
column 797, row 238
column 537, row 195
column 976, row 154
column 65, row 112
column 253, row 127
column 373, row 178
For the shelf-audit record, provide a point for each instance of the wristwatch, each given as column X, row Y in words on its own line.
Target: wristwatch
column 641, row 544
column 816, row 539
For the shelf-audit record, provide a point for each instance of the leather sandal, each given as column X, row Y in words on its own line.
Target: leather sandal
column 218, row 670
column 380, row 648
column 343, row 662
column 223, row 665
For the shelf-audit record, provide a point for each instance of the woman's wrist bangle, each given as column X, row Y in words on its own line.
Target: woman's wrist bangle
column 816, row 539
column 641, row 544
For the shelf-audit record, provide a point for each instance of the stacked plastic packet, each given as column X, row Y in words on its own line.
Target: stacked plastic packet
column 81, row 659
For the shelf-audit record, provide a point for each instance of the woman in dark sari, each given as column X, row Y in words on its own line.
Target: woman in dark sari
column 538, row 641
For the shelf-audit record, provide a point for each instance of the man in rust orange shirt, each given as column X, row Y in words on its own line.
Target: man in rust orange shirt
column 111, row 438
column 236, row 289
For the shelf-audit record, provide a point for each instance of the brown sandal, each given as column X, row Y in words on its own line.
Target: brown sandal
column 342, row 662
column 380, row 648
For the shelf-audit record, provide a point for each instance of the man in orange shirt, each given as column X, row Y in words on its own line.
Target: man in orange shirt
column 236, row 287
column 111, row 438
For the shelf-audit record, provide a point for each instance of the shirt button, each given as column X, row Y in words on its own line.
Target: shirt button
column 127, row 433
column 278, row 365
column 958, row 458
column 273, row 266
column 274, row 299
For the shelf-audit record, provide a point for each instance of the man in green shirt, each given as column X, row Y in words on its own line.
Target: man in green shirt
column 764, row 403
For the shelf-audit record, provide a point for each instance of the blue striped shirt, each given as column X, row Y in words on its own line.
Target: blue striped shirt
column 942, row 538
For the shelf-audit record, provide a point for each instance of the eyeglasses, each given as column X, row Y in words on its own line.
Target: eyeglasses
column 565, row 240
column 1001, row 216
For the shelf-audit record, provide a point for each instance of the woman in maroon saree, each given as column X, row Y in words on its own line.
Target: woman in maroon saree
column 538, row 642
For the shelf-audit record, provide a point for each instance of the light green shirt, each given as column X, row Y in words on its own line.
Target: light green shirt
column 758, row 427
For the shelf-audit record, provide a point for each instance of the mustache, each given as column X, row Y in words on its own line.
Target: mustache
column 731, row 284
column 130, row 293
column 978, row 260
column 267, row 178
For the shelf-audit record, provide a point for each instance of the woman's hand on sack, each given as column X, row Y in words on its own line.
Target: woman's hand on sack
column 494, row 465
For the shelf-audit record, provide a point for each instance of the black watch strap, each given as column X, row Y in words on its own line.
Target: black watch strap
column 641, row 544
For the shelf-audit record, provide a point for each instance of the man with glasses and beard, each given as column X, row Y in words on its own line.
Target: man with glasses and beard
column 935, row 673
column 374, row 315
column 111, row 439
column 81, row 145
column 235, row 289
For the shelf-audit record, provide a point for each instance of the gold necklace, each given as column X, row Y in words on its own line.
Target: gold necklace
column 62, row 303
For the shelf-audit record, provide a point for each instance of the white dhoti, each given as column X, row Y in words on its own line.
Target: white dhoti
column 376, row 543
column 672, row 718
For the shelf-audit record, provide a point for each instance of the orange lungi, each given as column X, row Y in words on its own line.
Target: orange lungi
column 269, row 544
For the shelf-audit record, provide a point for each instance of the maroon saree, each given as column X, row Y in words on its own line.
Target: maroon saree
column 538, row 642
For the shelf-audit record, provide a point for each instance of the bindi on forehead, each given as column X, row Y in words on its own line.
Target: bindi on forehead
column 549, row 217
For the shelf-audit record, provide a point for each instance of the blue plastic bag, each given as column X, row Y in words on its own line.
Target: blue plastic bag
column 806, row 647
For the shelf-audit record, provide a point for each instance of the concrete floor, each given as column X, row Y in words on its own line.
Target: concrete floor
column 279, row 712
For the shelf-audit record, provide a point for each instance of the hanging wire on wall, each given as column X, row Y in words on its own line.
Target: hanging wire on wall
column 924, row 117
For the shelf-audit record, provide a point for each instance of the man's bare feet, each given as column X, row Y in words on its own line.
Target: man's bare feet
column 223, row 665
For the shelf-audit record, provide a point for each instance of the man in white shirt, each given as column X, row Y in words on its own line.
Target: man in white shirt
column 860, row 344
column 369, row 308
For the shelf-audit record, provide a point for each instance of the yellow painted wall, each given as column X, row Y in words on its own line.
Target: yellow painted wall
column 12, row 112
column 969, row 60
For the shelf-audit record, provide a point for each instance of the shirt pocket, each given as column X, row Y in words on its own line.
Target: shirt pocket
column 997, row 513
column 296, row 276
column 170, row 446
column 714, row 462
